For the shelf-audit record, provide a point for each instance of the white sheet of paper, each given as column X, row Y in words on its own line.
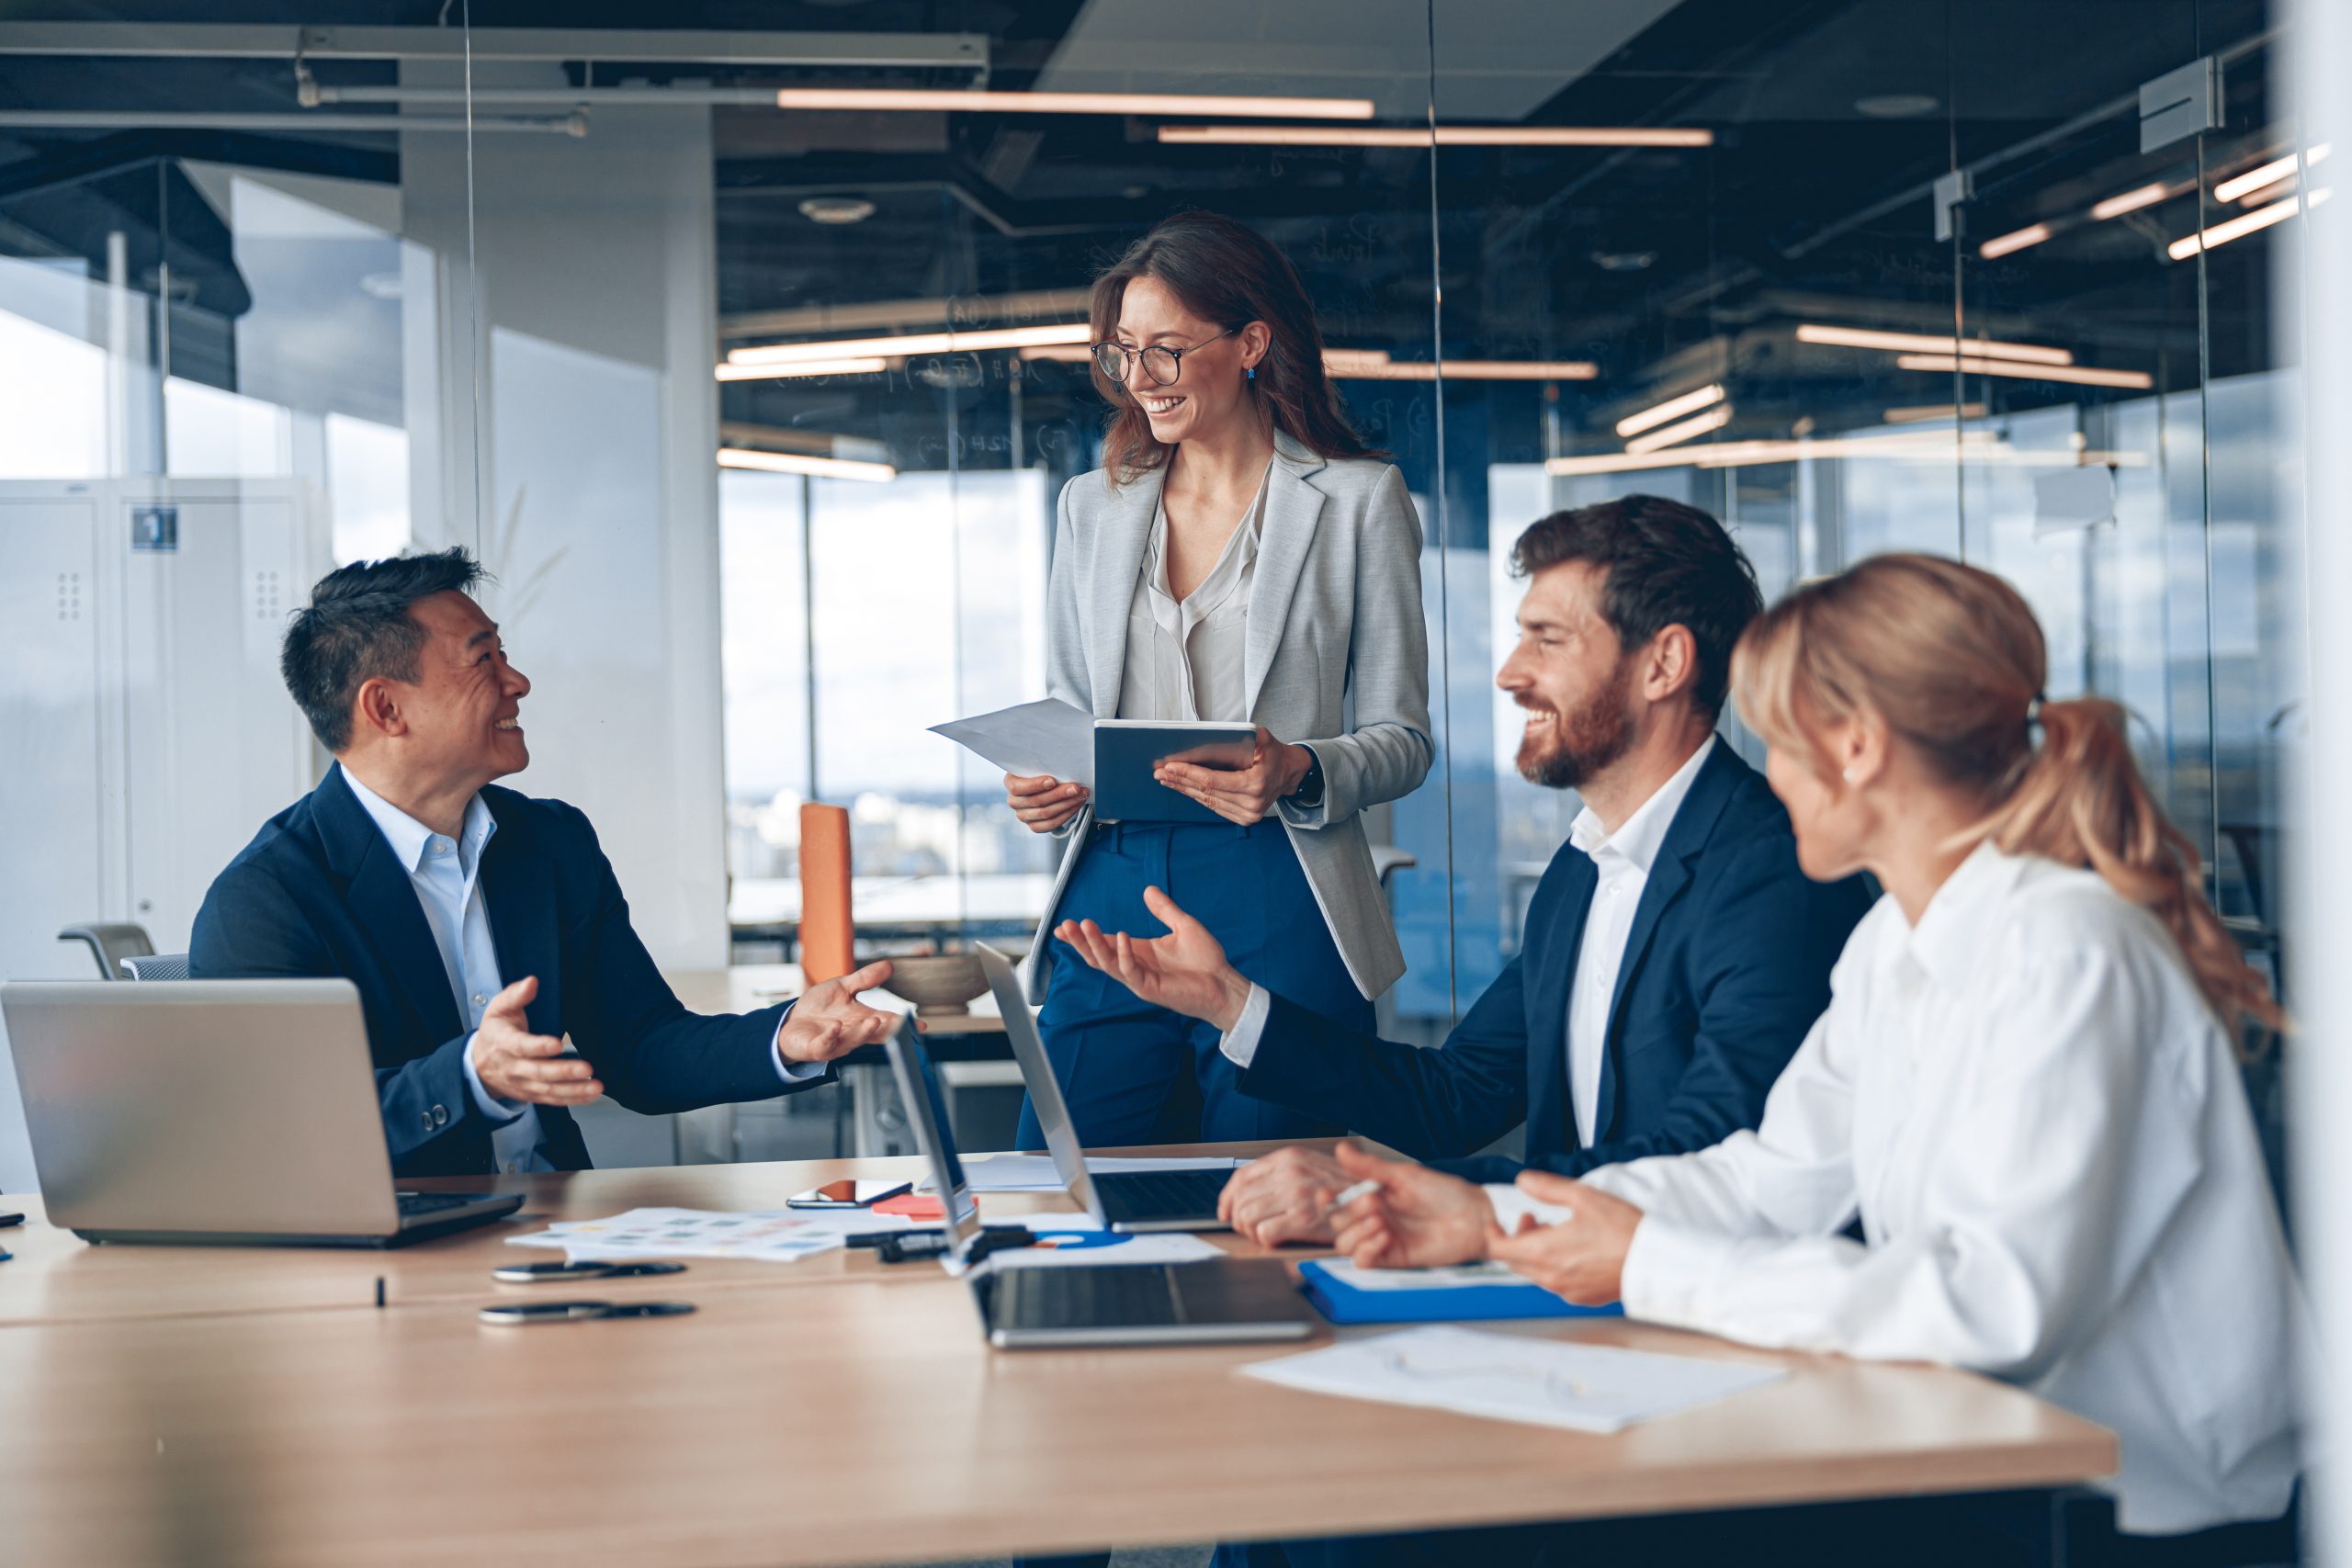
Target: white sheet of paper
column 1507, row 1377
column 1035, row 1173
column 767, row 1236
column 1454, row 1277
column 1045, row 736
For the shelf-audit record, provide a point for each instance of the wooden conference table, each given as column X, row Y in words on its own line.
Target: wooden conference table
column 253, row 1407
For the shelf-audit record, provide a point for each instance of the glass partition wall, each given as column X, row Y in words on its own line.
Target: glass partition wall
column 751, row 360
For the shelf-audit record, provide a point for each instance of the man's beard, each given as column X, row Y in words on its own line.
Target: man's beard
column 1585, row 741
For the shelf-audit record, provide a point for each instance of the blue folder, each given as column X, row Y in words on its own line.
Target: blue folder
column 1345, row 1303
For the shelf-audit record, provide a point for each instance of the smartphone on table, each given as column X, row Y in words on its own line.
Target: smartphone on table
column 847, row 1194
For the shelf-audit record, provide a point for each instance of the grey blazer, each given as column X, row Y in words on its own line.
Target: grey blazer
column 1337, row 659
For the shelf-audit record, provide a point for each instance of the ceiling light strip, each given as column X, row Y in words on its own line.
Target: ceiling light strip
column 913, row 342
column 1674, row 434
column 1734, row 454
column 866, row 367
column 2257, row 179
column 1673, row 407
column 1871, row 337
column 2015, row 240
column 2236, row 228
column 798, row 463
column 949, row 101
column 1445, row 136
column 2077, row 375
column 2131, row 200
column 1466, row 371
column 1922, row 412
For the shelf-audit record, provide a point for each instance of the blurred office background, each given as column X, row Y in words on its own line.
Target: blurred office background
column 758, row 404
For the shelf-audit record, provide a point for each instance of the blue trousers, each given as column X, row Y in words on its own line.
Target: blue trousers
column 1133, row 1072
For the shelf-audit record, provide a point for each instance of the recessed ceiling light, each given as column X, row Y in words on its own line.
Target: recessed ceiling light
column 1897, row 105
column 836, row 209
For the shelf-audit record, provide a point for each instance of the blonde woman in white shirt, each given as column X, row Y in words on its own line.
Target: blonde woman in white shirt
column 2024, row 1088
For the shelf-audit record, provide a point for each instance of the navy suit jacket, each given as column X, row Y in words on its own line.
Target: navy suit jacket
column 1725, row 970
column 319, row 892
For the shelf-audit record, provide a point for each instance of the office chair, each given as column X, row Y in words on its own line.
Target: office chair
column 156, row 966
column 110, row 943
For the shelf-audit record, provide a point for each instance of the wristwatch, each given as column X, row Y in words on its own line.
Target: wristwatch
column 1309, row 793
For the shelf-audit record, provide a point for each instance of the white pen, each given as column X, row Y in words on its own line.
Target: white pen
column 1364, row 1189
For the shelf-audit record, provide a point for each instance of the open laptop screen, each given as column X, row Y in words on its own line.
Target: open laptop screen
column 1038, row 1075
column 927, row 1114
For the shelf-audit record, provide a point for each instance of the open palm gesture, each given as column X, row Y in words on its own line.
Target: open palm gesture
column 1184, row 971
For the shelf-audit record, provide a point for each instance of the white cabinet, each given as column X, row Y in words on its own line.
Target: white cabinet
column 147, row 733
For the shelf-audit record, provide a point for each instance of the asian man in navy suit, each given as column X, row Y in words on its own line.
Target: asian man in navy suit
column 1674, row 957
column 480, row 925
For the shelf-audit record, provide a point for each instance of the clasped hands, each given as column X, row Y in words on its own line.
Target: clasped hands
column 1422, row 1218
column 514, row 1064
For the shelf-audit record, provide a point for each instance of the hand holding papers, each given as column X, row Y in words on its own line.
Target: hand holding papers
column 1049, row 737
column 1584, row 1388
column 1113, row 760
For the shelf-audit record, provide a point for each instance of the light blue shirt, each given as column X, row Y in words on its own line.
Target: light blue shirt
column 446, row 874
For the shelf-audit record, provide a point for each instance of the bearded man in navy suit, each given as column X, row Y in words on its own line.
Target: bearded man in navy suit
column 1674, row 955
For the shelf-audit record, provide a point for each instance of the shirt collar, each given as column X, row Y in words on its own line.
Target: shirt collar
column 411, row 840
column 1240, row 554
column 1961, row 916
column 1641, row 836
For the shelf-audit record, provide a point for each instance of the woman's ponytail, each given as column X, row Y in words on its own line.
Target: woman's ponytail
column 2080, row 800
column 1951, row 658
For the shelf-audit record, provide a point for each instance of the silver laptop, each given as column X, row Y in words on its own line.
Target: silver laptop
column 214, row 1110
column 1086, row 1305
column 1130, row 1201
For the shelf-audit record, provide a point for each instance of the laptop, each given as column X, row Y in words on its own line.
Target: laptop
column 1036, row 1307
column 226, row 1111
column 1129, row 1201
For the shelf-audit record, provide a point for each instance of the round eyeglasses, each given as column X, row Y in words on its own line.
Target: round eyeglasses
column 1162, row 364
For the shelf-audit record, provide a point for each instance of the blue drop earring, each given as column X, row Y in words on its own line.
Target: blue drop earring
column 1249, row 373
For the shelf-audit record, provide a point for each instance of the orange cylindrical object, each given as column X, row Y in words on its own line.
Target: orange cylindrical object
column 826, row 932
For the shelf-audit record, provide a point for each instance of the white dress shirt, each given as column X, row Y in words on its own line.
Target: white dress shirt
column 1623, row 861
column 1185, row 658
column 2042, row 1127
column 446, row 874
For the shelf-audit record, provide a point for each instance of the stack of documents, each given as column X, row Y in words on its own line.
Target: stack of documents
column 1547, row 1382
column 767, row 1236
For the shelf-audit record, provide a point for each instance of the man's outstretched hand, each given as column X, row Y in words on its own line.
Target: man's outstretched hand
column 829, row 1021
column 1184, row 971
column 515, row 1064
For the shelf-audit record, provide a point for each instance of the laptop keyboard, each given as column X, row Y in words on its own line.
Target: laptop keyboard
column 1128, row 1296
column 1162, row 1194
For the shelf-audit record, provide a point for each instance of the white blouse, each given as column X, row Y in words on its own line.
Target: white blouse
column 2044, row 1132
column 1185, row 658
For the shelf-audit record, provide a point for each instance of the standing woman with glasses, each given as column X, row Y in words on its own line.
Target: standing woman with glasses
column 1241, row 557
